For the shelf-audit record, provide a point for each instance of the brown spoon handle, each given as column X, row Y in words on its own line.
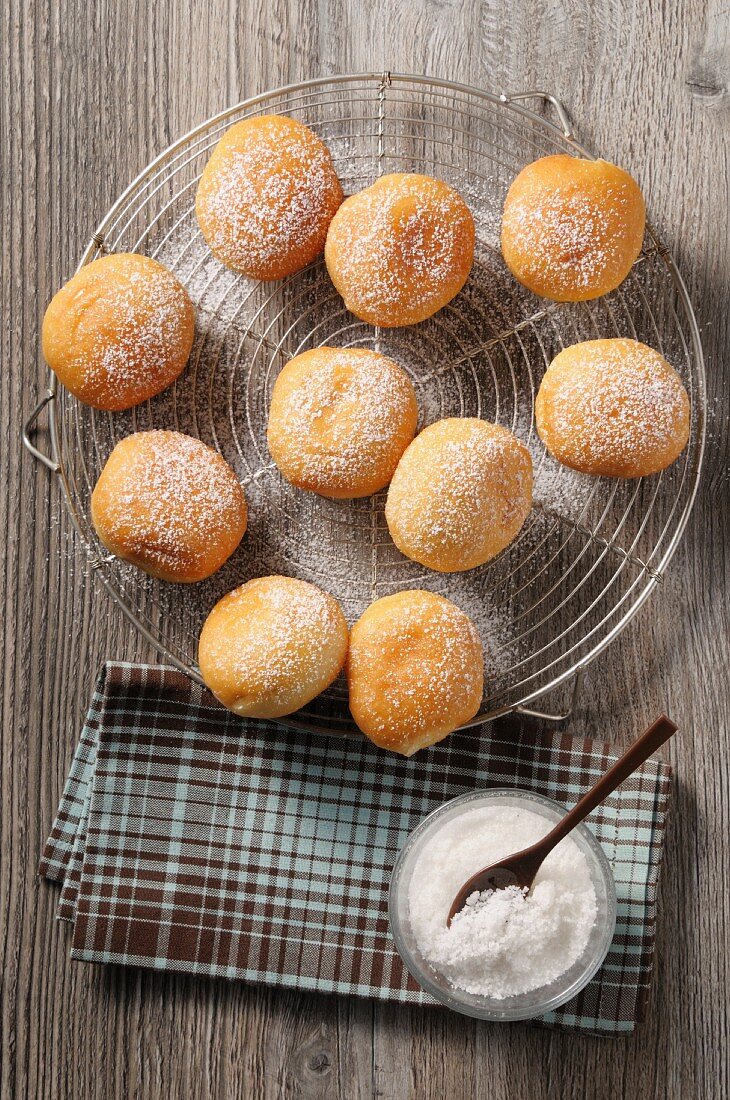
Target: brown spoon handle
column 659, row 732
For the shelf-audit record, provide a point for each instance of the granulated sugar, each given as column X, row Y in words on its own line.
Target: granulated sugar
column 503, row 943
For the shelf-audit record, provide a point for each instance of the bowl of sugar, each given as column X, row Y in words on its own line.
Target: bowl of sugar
column 508, row 955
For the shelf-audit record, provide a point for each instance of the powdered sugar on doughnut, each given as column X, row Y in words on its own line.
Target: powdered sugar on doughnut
column 568, row 234
column 415, row 670
column 572, row 232
column 149, row 312
column 168, row 502
column 120, row 331
column 613, row 407
column 272, row 644
column 460, row 494
column 267, row 195
column 293, row 613
column 401, row 249
column 340, row 420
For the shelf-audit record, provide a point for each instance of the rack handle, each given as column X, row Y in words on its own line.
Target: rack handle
column 50, row 463
column 546, row 97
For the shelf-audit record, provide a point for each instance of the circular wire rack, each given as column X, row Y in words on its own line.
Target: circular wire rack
column 591, row 550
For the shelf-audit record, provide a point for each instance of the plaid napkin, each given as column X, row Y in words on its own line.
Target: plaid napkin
column 189, row 840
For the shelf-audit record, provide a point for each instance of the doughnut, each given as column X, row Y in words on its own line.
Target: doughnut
column 340, row 420
column 266, row 197
column 572, row 228
column 169, row 505
column 270, row 646
column 460, row 494
column 613, row 408
column 401, row 249
column 414, row 669
column 119, row 331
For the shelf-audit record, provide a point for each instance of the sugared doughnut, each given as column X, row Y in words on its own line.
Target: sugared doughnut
column 460, row 494
column 340, row 420
column 170, row 505
column 266, row 197
column 270, row 646
column 414, row 669
column 614, row 408
column 401, row 249
column 119, row 331
column 572, row 228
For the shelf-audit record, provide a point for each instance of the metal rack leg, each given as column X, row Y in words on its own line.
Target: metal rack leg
column 546, row 716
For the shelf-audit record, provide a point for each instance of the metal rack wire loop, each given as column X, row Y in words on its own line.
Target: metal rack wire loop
column 591, row 551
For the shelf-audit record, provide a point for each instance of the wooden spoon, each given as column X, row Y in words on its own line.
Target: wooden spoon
column 520, row 869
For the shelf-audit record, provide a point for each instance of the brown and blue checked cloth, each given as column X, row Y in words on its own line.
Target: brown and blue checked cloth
column 190, row 840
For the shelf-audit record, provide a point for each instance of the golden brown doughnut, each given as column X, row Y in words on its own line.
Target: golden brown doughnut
column 460, row 494
column 266, row 197
column 340, row 420
column 414, row 669
column 119, row 331
column 270, row 646
column 401, row 249
column 572, row 228
column 613, row 408
column 169, row 505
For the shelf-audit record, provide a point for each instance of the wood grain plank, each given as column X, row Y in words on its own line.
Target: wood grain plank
column 87, row 95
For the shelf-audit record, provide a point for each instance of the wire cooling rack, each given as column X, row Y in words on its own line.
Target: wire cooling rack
column 592, row 549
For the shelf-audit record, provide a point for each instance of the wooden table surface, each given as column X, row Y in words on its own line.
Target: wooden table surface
column 88, row 94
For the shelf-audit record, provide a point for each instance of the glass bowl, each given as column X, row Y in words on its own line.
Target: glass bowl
column 522, row 1006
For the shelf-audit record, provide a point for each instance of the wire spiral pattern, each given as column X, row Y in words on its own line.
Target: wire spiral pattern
column 592, row 549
